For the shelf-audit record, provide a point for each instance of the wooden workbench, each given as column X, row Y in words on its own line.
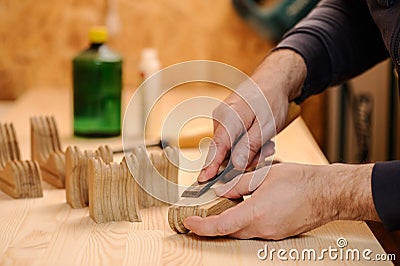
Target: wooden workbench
column 46, row 231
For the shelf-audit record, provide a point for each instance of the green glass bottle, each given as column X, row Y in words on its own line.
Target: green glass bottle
column 97, row 86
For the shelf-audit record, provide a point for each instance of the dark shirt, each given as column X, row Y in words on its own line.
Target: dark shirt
column 338, row 40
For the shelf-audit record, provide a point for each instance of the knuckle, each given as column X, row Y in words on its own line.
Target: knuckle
column 221, row 229
column 216, row 112
column 221, row 111
column 221, row 144
column 227, row 113
column 218, row 141
column 254, row 145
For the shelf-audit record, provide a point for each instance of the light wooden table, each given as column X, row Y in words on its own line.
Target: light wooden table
column 46, row 231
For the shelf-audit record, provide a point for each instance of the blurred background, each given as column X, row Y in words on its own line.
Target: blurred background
column 39, row 38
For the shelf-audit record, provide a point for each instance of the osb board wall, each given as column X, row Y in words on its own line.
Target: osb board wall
column 38, row 38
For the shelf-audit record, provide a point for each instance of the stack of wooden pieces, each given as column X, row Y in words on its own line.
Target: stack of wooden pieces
column 157, row 176
column 76, row 180
column 91, row 178
column 46, row 150
column 112, row 192
column 19, row 179
column 113, row 187
column 206, row 205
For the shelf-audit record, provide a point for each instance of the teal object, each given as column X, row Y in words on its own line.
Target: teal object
column 97, row 88
column 273, row 20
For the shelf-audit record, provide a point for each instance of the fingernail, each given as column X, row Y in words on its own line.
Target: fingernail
column 270, row 150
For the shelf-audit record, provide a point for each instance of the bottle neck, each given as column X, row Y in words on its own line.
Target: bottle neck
column 95, row 45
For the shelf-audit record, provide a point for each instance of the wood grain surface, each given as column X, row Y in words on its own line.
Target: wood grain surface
column 47, row 231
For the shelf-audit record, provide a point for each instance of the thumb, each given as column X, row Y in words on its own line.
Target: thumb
column 226, row 223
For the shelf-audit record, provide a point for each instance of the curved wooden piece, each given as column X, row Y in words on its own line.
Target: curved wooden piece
column 112, row 191
column 76, row 180
column 190, row 207
column 46, row 150
column 19, row 179
column 9, row 149
column 154, row 163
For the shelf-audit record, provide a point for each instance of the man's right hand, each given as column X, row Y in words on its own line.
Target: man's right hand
column 245, row 122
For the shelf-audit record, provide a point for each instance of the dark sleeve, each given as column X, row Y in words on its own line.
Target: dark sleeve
column 338, row 40
column 386, row 193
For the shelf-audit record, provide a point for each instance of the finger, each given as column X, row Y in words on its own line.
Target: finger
column 258, row 177
column 247, row 147
column 236, row 116
column 236, row 188
column 227, row 128
column 228, row 222
column 242, row 185
column 217, row 151
column 267, row 150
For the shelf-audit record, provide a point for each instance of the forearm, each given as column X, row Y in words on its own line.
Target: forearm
column 284, row 71
column 281, row 76
column 345, row 192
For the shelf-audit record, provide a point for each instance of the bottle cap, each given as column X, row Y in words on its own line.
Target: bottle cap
column 98, row 34
column 149, row 53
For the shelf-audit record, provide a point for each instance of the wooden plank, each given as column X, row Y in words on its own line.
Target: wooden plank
column 47, row 231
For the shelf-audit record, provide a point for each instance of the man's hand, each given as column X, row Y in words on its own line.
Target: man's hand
column 292, row 199
column 244, row 118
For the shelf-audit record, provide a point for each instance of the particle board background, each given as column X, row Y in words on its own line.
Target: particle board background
column 44, row 35
column 38, row 39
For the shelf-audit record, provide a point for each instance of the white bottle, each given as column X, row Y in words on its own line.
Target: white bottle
column 149, row 65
